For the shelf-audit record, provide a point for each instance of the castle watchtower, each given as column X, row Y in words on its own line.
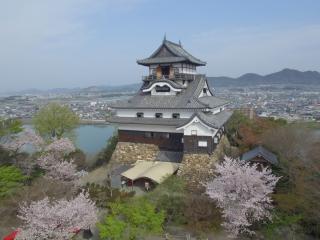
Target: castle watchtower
column 171, row 61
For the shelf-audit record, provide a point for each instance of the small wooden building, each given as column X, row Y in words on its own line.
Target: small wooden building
column 260, row 155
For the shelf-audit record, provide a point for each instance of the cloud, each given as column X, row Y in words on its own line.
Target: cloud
column 235, row 51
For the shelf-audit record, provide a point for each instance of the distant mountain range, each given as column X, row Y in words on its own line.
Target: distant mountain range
column 283, row 77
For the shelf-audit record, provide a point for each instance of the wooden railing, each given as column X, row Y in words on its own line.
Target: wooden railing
column 176, row 76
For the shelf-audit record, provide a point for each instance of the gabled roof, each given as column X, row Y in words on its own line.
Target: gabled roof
column 188, row 98
column 260, row 151
column 170, row 52
column 209, row 119
column 171, row 83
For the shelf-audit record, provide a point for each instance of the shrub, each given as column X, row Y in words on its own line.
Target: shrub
column 10, row 179
column 131, row 220
column 102, row 195
column 105, row 155
column 170, row 197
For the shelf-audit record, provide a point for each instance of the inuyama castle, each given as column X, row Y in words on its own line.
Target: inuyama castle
column 175, row 108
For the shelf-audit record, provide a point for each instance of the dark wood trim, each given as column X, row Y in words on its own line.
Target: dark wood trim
column 164, row 140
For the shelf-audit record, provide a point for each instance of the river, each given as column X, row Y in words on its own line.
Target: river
column 91, row 138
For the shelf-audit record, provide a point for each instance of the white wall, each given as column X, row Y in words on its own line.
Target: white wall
column 148, row 128
column 208, row 92
column 167, row 113
column 201, row 130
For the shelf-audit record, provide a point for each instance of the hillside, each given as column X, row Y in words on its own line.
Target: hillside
column 285, row 77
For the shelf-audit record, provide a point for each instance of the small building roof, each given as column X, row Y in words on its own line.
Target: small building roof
column 170, row 52
column 260, row 152
column 153, row 170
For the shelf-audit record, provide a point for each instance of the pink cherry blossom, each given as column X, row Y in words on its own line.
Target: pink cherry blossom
column 243, row 193
column 27, row 137
column 63, row 145
column 53, row 161
column 58, row 220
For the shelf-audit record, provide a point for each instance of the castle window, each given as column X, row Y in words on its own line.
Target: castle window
column 162, row 89
column 148, row 135
column 202, row 143
column 175, row 115
column 215, row 140
column 205, row 90
column 165, row 70
column 140, row 114
column 158, row 115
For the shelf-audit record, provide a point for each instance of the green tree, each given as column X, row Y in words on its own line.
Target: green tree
column 55, row 120
column 9, row 127
column 131, row 220
column 170, row 196
column 10, row 179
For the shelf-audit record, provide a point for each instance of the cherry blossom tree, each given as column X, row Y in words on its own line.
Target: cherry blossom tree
column 17, row 143
column 58, row 220
column 28, row 137
column 243, row 193
column 54, row 162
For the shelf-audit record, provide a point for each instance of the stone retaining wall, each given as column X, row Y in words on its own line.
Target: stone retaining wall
column 128, row 153
column 196, row 169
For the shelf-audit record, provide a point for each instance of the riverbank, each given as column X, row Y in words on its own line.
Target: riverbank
column 28, row 121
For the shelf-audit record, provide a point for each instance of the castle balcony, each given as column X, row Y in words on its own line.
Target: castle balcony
column 176, row 76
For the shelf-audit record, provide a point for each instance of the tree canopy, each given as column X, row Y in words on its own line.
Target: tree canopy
column 10, row 179
column 9, row 126
column 55, row 120
column 131, row 220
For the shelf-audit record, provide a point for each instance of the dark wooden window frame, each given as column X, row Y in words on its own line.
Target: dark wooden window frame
column 140, row 115
column 159, row 115
column 175, row 115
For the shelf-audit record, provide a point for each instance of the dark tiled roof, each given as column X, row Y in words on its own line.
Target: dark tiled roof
column 213, row 102
column 175, row 53
column 186, row 99
column 148, row 121
column 212, row 120
column 260, row 151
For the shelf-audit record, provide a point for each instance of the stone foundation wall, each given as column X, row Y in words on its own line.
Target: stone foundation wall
column 128, row 153
column 196, row 169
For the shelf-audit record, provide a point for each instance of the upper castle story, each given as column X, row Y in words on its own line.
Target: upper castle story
column 171, row 62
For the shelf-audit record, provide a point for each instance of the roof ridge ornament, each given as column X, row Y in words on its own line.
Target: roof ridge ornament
column 180, row 43
column 165, row 37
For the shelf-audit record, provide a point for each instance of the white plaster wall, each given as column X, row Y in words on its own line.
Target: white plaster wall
column 208, row 92
column 201, row 130
column 151, row 113
column 148, row 128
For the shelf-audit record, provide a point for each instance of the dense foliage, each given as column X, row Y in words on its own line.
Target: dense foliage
column 297, row 194
column 9, row 127
column 55, row 120
column 131, row 220
column 10, row 179
column 105, row 155
column 246, row 133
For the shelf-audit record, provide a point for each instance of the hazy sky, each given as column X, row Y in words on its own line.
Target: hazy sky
column 77, row 43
